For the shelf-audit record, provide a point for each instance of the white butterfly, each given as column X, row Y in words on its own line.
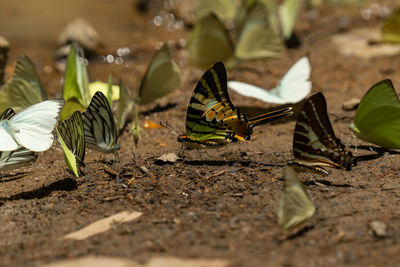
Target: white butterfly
column 293, row 87
column 31, row 128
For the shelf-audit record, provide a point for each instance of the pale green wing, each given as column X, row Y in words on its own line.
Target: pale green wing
column 224, row 9
column 69, row 157
column 125, row 105
column 18, row 94
column 377, row 118
column 24, row 89
column 288, row 12
column 295, row 206
column 76, row 80
column 258, row 39
column 109, row 90
column 209, row 43
column 391, row 28
column 162, row 77
column 26, row 71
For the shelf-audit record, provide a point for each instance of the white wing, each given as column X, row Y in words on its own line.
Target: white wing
column 33, row 126
column 255, row 92
column 293, row 87
column 7, row 143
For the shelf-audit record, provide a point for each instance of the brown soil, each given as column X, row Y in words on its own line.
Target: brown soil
column 217, row 203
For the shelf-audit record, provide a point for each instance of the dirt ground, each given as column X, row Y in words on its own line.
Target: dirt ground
column 216, row 204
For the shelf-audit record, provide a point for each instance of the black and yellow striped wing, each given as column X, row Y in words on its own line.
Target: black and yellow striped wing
column 99, row 125
column 211, row 114
column 314, row 142
column 10, row 160
column 71, row 131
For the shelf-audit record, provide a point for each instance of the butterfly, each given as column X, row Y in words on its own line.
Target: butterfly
column 314, row 142
column 99, row 125
column 224, row 9
column 24, row 89
column 18, row 158
column 212, row 120
column 31, row 128
column 293, row 87
column 162, row 77
column 295, row 206
column 390, row 28
column 72, row 138
column 377, row 118
column 209, row 41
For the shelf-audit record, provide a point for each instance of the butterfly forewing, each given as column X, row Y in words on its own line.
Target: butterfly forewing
column 314, row 142
column 99, row 125
column 10, row 160
column 295, row 206
column 7, row 114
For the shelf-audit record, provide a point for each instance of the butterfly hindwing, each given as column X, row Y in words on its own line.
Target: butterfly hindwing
column 99, row 125
column 314, row 142
column 20, row 157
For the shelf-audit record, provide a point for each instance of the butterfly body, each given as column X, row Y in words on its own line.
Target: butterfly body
column 212, row 120
column 314, row 143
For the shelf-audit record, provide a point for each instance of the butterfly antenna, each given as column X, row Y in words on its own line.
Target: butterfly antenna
column 166, row 126
column 270, row 116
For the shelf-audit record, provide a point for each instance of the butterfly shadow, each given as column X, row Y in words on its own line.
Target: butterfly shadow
column 158, row 109
column 66, row 184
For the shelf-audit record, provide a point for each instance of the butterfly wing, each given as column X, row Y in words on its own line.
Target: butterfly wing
column 209, row 43
column 377, row 118
column 76, row 80
column 72, row 138
column 125, row 105
column 391, row 28
column 295, row 206
column 288, row 11
column 295, row 85
column 224, row 9
column 10, row 160
column 258, row 39
column 162, row 77
column 314, row 141
column 7, row 114
column 99, row 125
column 255, row 92
column 33, row 126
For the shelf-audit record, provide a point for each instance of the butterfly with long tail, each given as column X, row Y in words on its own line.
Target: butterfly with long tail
column 99, row 125
column 315, row 144
column 18, row 158
column 212, row 120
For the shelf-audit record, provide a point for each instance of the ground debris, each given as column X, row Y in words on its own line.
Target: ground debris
column 351, row 104
column 166, row 159
column 379, row 228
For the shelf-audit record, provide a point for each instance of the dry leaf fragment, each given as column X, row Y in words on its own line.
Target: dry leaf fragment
column 167, row 158
column 103, row 225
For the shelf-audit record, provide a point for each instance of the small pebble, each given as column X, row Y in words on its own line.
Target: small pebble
column 351, row 104
column 379, row 228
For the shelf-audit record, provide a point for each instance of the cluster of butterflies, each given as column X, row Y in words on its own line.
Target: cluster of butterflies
column 212, row 121
column 261, row 27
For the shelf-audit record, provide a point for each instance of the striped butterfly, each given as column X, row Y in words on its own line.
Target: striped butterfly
column 211, row 118
column 99, row 125
column 72, row 138
column 314, row 142
column 295, row 206
column 18, row 158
